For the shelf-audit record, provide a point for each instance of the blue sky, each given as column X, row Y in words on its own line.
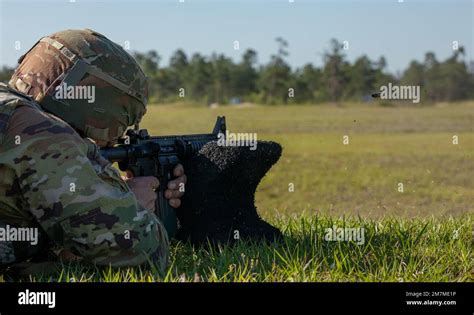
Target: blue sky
column 399, row 31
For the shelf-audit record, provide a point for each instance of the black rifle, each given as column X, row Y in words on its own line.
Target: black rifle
column 146, row 155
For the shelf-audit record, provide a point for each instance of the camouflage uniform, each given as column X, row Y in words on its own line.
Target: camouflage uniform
column 53, row 177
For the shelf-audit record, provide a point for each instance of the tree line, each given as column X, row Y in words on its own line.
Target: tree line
column 218, row 79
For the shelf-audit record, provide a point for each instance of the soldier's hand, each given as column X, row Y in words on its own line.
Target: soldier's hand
column 176, row 187
column 144, row 189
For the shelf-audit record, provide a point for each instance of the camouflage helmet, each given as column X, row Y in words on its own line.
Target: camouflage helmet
column 85, row 79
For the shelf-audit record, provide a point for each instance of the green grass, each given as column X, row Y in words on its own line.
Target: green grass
column 409, row 145
column 421, row 234
column 394, row 250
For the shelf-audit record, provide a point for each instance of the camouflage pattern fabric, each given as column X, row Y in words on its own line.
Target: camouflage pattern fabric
column 52, row 178
column 12, row 252
column 7, row 251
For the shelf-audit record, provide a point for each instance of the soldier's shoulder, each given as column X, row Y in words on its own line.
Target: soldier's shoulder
column 29, row 130
column 19, row 114
column 29, row 126
column 34, row 136
column 13, row 98
column 32, row 122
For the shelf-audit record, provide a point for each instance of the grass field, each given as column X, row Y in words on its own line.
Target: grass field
column 387, row 146
column 421, row 234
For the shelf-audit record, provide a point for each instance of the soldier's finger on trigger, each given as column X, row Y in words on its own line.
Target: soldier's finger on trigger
column 154, row 182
